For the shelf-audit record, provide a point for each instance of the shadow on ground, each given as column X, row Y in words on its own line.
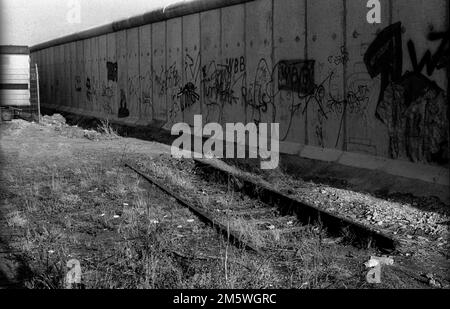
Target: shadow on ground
column 421, row 195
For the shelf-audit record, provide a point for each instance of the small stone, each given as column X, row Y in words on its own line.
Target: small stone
column 434, row 283
column 380, row 223
column 409, row 236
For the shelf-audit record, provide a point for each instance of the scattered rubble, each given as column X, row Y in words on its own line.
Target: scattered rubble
column 420, row 219
column 59, row 124
column 432, row 281
column 54, row 120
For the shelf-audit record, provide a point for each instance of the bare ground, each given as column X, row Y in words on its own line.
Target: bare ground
column 66, row 194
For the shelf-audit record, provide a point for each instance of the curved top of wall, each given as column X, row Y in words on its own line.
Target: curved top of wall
column 14, row 50
column 178, row 9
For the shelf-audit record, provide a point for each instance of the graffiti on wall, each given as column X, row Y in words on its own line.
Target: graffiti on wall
column 257, row 92
column 111, row 71
column 134, row 86
column 414, row 110
column 296, row 75
column 107, row 93
column 225, row 85
column 88, row 89
column 385, row 56
column 189, row 94
column 78, row 83
column 412, row 106
column 146, row 87
column 439, row 60
column 220, row 81
column 123, row 109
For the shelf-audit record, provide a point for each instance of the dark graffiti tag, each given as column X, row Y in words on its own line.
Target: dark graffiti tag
column 413, row 108
column 78, row 83
column 385, row 56
column 188, row 95
column 88, row 89
column 438, row 60
column 236, row 65
column 123, row 110
column 296, row 75
column 112, row 71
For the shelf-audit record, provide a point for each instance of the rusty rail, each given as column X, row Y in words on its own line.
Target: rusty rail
column 307, row 213
column 203, row 216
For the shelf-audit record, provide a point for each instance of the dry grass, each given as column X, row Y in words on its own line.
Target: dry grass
column 106, row 129
column 128, row 234
column 127, row 237
column 122, row 237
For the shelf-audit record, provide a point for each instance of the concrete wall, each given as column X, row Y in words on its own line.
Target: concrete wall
column 342, row 89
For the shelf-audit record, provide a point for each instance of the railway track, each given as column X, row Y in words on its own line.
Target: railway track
column 336, row 225
column 255, row 217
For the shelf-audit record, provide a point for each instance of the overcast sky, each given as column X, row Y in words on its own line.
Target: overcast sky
column 28, row 22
